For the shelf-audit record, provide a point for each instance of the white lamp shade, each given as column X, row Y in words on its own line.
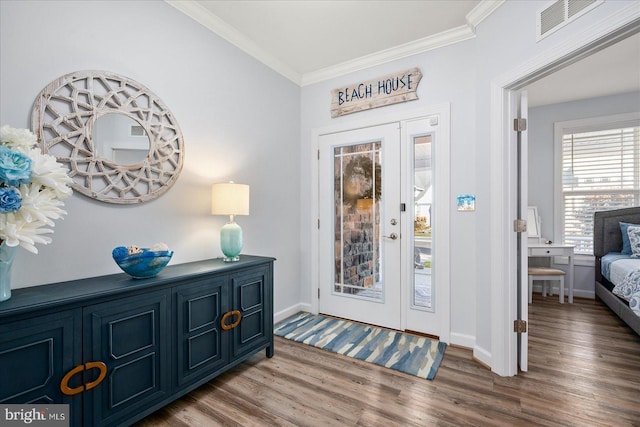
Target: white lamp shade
column 229, row 198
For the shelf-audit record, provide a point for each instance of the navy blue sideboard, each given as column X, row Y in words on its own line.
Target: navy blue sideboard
column 116, row 349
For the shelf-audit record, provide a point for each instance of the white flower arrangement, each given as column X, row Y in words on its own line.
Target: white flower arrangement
column 32, row 189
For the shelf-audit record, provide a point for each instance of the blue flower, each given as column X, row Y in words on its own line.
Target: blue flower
column 15, row 167
column 10, row 200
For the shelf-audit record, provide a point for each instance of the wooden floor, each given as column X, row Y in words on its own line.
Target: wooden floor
column 584, row 370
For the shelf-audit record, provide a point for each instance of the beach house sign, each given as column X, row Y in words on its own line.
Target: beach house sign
column 387, row 90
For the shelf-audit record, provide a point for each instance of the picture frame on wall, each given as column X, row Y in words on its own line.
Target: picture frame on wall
column 466, row 202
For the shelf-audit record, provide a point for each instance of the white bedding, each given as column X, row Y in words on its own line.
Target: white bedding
column 624, row 273
column 621, row 269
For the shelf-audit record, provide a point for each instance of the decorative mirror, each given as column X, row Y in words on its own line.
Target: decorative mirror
column 119, row 141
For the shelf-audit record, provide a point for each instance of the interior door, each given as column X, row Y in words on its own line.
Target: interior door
column 359, row 238
column 520, row 103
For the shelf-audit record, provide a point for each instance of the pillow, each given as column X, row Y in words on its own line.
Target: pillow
column 626, row 247
column 633, row 231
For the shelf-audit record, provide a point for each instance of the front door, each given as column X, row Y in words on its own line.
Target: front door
column 359, row 192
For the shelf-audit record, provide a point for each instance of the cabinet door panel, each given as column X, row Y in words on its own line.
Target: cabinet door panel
column 131, row 336
column 201, row 347
column 34, row 356
column 252, row 296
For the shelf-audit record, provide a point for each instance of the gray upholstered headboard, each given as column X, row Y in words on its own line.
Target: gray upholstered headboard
column 606, row 229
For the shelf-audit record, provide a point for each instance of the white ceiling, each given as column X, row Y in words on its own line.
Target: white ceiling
column 610, row 71
column 309, row 40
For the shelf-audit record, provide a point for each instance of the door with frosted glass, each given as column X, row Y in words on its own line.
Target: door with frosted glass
column 360, row 225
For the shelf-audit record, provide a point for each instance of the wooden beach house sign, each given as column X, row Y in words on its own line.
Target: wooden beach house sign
column 387, row 90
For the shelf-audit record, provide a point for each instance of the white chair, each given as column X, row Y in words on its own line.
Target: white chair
column 546, row 274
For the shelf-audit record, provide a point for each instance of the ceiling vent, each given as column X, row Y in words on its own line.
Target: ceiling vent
column 559, row 13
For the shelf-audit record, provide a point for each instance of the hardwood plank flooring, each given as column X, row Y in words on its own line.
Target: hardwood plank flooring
column 584, row 370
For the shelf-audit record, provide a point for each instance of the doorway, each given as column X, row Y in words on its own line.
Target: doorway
column 378, row 225
column 503, row 248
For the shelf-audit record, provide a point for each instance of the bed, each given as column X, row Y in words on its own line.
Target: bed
column 611, row 265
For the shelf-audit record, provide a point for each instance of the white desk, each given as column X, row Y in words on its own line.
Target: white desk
column 548, row 251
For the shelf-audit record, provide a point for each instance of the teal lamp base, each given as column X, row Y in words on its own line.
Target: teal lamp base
column 231, row 241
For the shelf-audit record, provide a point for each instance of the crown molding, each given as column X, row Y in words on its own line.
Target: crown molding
column 210, row 21
column 435, row 41
column 481, row 12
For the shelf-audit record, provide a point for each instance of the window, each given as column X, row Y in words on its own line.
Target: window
column 600, row 170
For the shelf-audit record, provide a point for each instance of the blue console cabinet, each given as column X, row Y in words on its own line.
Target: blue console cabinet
column 115, row 349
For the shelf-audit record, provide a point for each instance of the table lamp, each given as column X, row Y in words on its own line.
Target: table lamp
column 231, row 199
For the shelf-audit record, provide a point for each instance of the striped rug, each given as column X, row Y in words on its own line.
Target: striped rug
column 412, row 354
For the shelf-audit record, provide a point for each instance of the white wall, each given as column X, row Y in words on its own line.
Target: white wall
column 541, row 151
column 240, row 121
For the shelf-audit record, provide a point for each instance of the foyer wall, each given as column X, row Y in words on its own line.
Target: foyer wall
column 238, row 118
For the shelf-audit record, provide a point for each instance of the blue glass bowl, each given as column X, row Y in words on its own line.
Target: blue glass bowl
column 144, row 265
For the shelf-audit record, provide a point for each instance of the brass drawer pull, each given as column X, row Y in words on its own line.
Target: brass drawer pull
column 223, row 321
column 103, row 373
column 64, row 384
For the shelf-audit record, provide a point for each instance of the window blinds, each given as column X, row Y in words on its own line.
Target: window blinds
column 600, row 171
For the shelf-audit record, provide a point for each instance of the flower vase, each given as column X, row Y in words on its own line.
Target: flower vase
column 6, row 260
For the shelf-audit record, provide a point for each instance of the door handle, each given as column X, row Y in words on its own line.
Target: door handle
column 392, row 236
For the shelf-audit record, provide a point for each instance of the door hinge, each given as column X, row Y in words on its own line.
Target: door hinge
column 520, row 225
column 318, row 293
column 520, row 326
column 403, row 207
column 318, row 223
column 519, row 125
column 318, row 154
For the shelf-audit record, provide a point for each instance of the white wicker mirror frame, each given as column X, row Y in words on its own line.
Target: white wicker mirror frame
column 63, row 117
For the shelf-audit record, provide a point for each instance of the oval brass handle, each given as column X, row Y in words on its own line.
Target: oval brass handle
column 228, row 314
column 64, row 384
column 103, row 373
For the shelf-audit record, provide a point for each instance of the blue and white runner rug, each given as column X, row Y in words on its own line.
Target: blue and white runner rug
column 412, row 354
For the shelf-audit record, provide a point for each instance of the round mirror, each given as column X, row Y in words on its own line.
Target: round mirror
column 120, row 139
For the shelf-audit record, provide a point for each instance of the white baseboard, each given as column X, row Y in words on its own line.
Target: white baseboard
column 290, row 311
column 482, row 355
column 580, row 293
column 463, row 340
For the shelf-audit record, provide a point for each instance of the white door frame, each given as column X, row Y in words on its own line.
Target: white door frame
column 443, row 200
column 619, row 25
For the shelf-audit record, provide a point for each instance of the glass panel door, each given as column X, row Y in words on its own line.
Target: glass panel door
column 359, row 180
